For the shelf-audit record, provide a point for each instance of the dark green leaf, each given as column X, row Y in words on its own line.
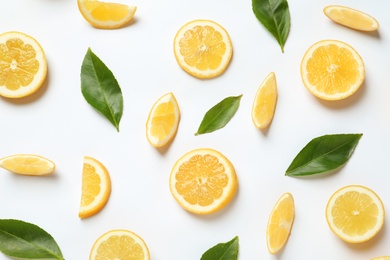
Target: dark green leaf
column 27, row 241
column 323, row 154
column 219, row 115
column 222, row 251
column 275, row 16
column 100, row 88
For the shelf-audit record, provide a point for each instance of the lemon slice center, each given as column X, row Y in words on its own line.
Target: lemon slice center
column 202, row 47
column 201, row 180
column 91, row 189
column 18, row 63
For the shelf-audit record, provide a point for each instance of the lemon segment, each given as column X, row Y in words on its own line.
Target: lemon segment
column 263, row 108
column 203, row 181
column 106, row 15
column 115, row 244
column 332, row 70
column 96, row 187
column 163, row 120
column 27, row 164
column 203, row 48
column 355, row 213
column 23, row 66
column 351, row 18
column 280, row 223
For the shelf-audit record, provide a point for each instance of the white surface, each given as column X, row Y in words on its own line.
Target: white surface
column 59, row 124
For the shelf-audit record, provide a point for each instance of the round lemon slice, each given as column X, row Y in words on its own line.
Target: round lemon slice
column 119, row 244
column 355, row 213
column 23, row 65
column 332, row 70
column 203, row 48
column 203, row 181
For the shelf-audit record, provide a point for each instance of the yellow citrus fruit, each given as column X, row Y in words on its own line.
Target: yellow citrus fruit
column 332, row 70
column 351, row 18
column 203, row 48
column 27, row 164
column 163, row 120
column 203, row 181
column 355, row 213
column 23, row 65
column 280, row 223
column 105, row 15
column 381, row 258
column 96, row 187
column 264, row 105
column 119, row 244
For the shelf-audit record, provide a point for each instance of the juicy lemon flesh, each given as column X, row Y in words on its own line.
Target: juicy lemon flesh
column 18, row 64
column 280, row 224
column 96, row 187
column 120, row 247
column 351, row 18
column 91, row 185
column 105, row 12
column 332, row 69
column 201, row 180
column 163, row 121
column 265, row 102
column 202, row 47
column 28, row 165
column 355, row 213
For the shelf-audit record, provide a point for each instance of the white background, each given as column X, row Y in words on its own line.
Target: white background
column 57, row 123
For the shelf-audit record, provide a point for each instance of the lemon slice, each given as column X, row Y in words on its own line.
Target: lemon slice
column 119, row 244
column 280, row 223
column 23, row 65
column 163, row 120
column 96, row 187
column 351, row 18
column 104, row 15
column 332, row 70
column 203, row 181
column 203, row 48
column 355, row 213
column 381, row 258
column 27, row 164
column 264, row 105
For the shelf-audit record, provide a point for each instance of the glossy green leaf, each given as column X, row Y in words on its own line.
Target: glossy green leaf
column 275, row 16
column 100, row 88
column 323, row 154
column 223, row 251
column 219, row 115
column 27, row 241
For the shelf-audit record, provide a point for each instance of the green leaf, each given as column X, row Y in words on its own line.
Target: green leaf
column 323, row 154
column 100, row 88
column 27, row 241
column 219, row 115
column 223, row 251
column 275, row 16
